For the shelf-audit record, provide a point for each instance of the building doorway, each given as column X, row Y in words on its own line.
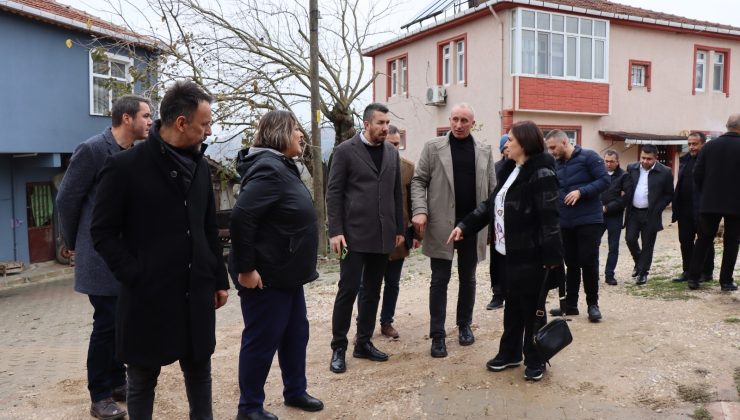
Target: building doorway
column 39, row 212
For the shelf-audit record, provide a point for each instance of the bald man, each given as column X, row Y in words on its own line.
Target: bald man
column 717, row 167
column 454, row 173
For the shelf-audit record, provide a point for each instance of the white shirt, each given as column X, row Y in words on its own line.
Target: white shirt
column 640, row 200
column 498, row 211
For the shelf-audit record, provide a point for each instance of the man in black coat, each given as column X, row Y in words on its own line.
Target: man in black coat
column 651, row 193
column 717, row 168
column 613, row 202
column 365, row 214
column 106, row 376
column 686, row 209
column 154, row 224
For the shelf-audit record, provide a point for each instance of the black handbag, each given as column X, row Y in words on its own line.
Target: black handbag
column 555, row 335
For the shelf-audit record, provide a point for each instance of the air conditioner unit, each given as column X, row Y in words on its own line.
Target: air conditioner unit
column 436, row 95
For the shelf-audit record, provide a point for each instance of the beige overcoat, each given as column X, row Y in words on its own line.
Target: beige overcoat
column 433, row 194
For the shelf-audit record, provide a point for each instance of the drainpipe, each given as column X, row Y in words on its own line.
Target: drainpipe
column 12, row 210
column 501, row 104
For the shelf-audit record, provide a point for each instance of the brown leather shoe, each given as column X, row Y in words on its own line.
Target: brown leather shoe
column 107, row 409
column 388, row 330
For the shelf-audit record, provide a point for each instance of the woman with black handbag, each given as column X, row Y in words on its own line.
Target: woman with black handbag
column 523, row 210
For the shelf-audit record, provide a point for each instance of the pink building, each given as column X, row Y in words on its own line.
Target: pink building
column 611, row 76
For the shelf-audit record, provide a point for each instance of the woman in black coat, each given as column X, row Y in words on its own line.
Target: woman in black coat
column 274, row 243
column 523, row 210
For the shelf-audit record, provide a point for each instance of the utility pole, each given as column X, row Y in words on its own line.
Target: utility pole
column 318, row 167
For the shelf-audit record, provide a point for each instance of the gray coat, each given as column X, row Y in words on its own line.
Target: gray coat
column 362, row 203
column 75, row 201
column 433, row 194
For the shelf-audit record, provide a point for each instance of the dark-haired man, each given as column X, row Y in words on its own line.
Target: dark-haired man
column 716, row 166
column 652, row 191
column 154, row 224
column 106, row 376
column 454, row 173
column 613, row 202
column 686, row 209
column 365, row 214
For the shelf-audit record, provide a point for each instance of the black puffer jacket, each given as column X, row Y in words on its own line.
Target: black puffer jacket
column 273, row 225
column 531, row 222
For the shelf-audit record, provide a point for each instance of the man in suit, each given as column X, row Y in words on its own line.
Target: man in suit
column 365, row 215
column 106, row 376
column 716, row 168
column 154, row 224
column 454, row 173
column 686, row 209
column 613, row 202
column 652, row 191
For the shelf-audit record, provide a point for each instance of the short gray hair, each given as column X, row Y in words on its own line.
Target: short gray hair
column 465, row 105
column 733, row 123
column 556, row 134
column 392, row 129
column 275, row 129
column 612, row 152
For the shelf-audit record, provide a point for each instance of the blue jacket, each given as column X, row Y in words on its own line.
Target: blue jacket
column 584, row 171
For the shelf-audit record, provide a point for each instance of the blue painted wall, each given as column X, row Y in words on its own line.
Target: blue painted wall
column 45, row 86
column 6, row 211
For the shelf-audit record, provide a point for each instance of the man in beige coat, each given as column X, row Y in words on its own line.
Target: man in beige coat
column 453, row 175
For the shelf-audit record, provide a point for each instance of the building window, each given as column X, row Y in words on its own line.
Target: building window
column 718, row 66
column 701, row 58
column 554, row 45
column 402, row 145
column 639, row 74
column 718, row 72
column 442, row 131
column 397, row 76
column 109, row 80
column 573, row 132
column 404, row 76
column 451, row 58
column 460, row 61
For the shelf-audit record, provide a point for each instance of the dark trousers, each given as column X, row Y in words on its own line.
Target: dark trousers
column 613, row 229
column 687, row 231
column 497, row 269
column 391, row 282
column 274, row 321
column 104, row 372
column 467, row 259
column 708, row 225
column 357, row 268
column 581, row 246
column 638, row 227
column 143, row 380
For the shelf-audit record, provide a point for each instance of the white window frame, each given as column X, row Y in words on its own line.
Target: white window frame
column 718, row 71
column 394, row 77
column 460, row 55
column 572, row 134
column 582, row 36
column 703, row 63
column 640, row 80
column 446, row 63
column 404, row 65
column 122, row 59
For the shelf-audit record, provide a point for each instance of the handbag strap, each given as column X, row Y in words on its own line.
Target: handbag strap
column 540, row 312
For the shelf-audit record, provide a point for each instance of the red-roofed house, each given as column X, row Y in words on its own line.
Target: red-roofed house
column 610, row 75
column 61, row 70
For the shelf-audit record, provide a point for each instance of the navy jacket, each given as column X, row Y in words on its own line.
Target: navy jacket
column 584, row 171
column 273, row 224
column 75, row 201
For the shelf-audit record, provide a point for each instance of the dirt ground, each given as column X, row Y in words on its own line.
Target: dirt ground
column 659, row 352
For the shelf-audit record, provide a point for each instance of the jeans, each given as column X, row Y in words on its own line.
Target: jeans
column 467, row 259
column 104, row 372
column 143, row 380
column 274, row 321
column 613, row 229
column 357, row 268
column 391, row 281
column 708, row 226
column 687, row 230
column 638, row 227
column 581, row 246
